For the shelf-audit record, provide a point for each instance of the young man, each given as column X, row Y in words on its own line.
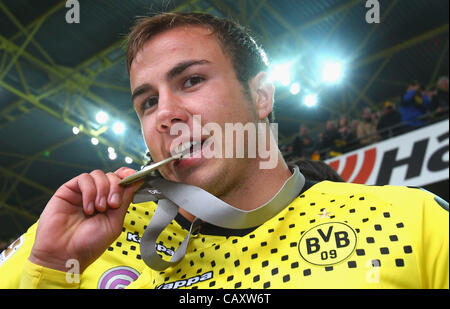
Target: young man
column 265, row 227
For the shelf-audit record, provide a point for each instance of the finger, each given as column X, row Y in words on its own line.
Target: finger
column 115, row 190
column 125, row 172
column 88, row 192
column 127, row 193
column 102, row 187
column 117, row 215
column 70, row 192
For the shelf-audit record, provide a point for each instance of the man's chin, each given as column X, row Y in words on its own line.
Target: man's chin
column 203, row 176
column 189, row 164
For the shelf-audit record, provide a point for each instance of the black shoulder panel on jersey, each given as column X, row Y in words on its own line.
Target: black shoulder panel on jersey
column 308, row 184
column 209, row 229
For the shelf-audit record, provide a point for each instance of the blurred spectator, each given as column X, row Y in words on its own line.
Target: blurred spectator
column 388, row 119
column 346, row 135
column 376, row 117
column 285, row 150
column 315, row 156
column 355, row 125
column 414, row 104
column 317, row 151
column 303, row 145
column 439, row 101
column 411, row 111
column 367, row 129
column 330, row 137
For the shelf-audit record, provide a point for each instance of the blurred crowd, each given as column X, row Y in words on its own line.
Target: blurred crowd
column 415, row 108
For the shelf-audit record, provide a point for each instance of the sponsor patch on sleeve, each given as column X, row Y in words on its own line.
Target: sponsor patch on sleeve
column 12, row 248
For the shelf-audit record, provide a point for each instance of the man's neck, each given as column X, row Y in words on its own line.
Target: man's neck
column 259, row 186
column 256, row 189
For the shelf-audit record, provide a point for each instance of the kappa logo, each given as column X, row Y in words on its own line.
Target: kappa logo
column 134, row 237
column 186, row 282
column 163, row 249
column 327, row 244
column 350, row 165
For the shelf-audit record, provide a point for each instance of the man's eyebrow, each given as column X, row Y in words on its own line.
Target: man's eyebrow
column 176, row 70
column 180, row 67
column 140, row 90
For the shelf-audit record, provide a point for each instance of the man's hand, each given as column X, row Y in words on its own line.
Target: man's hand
column 84, row 216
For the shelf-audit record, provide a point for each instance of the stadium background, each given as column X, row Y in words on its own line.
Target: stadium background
column 56, row 76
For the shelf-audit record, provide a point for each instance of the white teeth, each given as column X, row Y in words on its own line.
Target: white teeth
column 184, row 147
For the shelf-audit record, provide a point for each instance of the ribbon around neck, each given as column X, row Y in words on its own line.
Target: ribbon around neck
column 205, row 207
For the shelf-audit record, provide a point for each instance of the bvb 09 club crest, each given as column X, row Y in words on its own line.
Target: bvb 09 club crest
column 327, row 244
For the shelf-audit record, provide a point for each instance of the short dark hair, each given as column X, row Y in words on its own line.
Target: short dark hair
column 247, row 57
column 318, row 170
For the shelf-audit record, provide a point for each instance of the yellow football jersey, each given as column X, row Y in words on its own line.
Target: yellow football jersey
column 334, row 235
column 119, row 265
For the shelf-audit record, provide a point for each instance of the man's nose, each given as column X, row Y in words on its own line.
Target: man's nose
column 170, row 111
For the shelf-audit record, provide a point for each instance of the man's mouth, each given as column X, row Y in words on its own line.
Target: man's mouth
column 189, row 148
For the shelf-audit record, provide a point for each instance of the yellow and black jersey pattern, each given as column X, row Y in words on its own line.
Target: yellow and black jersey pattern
column 334, row 235
column 119, row 265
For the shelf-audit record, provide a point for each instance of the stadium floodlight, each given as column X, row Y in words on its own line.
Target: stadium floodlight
column 310, row 100
column 75, row 130
column 332, row 72
column 118, row 128
column 281, row 73
column 111, row 150
column 112, row 155
column 94, row 141
column 295, row 88
column 101, row 117
column 128, row 160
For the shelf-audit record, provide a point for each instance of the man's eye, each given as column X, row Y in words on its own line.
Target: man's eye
column 149, row 103
column 192, row 81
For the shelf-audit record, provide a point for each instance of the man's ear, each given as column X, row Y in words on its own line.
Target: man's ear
column 263, row 92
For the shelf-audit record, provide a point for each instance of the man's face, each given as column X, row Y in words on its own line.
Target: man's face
column 178, row 74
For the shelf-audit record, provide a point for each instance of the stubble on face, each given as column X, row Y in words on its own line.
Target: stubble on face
column 232, row 101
